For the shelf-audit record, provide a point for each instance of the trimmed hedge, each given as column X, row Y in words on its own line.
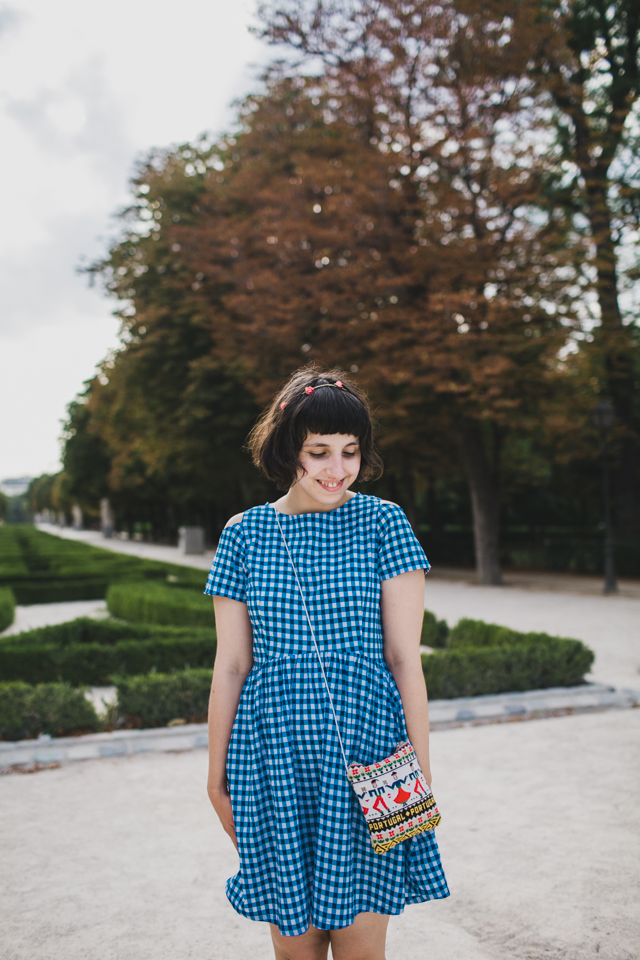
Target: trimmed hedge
column 156, row 700
column 43, row 568
column 88, row 651
column 434, row 632
column 54, row 708
column 103, row 631
column 484, row 658
column 159, row 603
column 477, row 633
column 7, row 607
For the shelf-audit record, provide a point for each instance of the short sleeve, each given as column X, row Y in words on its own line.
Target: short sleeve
column 227, row 577
column 399, row 549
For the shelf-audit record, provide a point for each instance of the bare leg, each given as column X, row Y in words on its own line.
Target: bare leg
column 312, row 945
column 364, row 940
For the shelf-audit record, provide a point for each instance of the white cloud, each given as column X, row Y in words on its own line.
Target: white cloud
column 85, row 90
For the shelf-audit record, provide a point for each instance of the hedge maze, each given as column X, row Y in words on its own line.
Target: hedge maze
column 159, row 644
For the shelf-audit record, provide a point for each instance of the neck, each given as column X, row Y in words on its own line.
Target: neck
column 297, row 501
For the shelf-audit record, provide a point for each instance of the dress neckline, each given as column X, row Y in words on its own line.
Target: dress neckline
column 316, row 513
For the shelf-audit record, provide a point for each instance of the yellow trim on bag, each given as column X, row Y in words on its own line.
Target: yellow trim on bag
column 386, row 845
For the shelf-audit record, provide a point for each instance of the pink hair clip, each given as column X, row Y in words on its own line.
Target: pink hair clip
column 338, row 383
column 308, row 389
column 283, row 404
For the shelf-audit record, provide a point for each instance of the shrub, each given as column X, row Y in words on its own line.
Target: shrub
column 156, row 700
column 103, row 631
column 434, row 632
column 7, row 607
column 91, row 651
column 485, row 658
column 54, row 708
column 159, row 603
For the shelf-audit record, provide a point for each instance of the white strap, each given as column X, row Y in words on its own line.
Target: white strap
column 313, row 636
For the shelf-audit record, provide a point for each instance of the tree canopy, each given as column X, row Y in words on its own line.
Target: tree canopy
column 407, row 203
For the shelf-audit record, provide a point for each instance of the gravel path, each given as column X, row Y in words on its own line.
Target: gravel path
column 50, row 614
column 124, row 860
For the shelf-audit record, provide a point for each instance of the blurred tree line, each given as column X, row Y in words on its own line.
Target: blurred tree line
column 440, row 199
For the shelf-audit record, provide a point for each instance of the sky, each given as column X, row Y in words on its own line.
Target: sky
column 86, row 88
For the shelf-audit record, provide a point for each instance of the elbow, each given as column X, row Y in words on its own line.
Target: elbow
column 403, row 661
column 234, row 671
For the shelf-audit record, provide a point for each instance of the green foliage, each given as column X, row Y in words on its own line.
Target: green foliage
column 88, row 651
column 476, row 672
column 483, row 658
column 86, row 459
column 477, row 633
column 434, row 632
column 156, row 700
column 7, row 607
column 42, row 568
column 54, row 708
column 90, row 630
column 159, row 603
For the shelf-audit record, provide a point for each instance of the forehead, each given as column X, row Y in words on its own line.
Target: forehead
column 330, row 440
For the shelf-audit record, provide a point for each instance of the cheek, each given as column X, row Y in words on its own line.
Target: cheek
column 310, row 467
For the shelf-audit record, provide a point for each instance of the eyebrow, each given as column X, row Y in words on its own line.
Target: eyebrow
column 317, row 443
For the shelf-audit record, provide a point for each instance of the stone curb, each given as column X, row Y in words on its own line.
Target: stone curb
column 443, row 714
column 530, row 704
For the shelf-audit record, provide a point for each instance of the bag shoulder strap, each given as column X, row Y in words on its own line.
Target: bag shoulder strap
column 313, row 637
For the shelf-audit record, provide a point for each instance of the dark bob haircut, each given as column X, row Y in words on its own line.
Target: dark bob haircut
column 277, row 439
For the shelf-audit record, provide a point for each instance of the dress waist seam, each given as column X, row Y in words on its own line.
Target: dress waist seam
column 325, row 655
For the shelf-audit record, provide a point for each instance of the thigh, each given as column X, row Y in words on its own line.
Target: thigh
column 312, row 945
column 365, row 939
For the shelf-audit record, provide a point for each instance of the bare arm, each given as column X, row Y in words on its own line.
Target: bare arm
column 234, row 659
column 402, row 605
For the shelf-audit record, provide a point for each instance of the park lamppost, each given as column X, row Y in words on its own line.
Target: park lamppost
column 603, row 417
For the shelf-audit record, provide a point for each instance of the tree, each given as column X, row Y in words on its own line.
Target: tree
column 591, row 66
column 389, row 213
column 436, row 275
column 159, row 434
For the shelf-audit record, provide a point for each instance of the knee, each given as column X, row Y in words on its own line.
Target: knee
column 351, row 953
column 294, row 952
column 312, row 945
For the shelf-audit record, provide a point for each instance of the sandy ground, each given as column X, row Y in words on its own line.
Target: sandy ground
column 123, row 859
column 49, row 614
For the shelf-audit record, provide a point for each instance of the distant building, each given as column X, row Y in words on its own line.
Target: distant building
column 15, row 486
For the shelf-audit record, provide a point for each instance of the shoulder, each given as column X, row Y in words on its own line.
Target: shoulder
column 386, row 509
column 235, row 519
column 248, row 520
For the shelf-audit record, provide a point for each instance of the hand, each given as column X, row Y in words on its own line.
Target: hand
column 222, row 805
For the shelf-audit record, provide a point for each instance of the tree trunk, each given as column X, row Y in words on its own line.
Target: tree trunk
column 614, row 341
column 483, row 486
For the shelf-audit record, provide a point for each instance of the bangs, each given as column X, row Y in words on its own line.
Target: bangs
column 330, row 410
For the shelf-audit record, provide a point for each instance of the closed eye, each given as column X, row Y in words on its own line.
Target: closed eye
column 346, row 454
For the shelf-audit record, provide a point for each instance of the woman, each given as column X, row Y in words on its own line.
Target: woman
column 277, row 779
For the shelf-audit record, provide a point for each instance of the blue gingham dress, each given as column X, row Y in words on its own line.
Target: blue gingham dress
column 305, row 853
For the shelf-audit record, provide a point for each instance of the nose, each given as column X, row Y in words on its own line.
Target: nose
column 334, row 467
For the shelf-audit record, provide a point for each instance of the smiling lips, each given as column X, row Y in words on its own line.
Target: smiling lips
column 330, row 484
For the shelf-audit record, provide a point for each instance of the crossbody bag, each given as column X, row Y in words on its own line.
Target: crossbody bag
column 395, row 799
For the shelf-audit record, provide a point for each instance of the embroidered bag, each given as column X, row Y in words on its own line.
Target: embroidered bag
column 395, row 799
